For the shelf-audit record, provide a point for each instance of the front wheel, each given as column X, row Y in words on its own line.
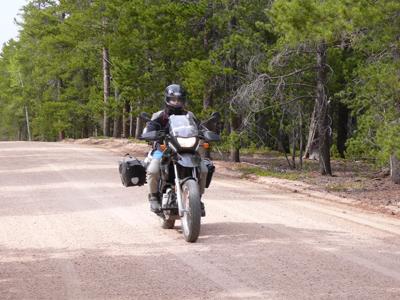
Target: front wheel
column 192, row 217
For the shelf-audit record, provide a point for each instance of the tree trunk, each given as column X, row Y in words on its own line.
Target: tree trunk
column 395, row 168
column 207, row 103
column 61, row 135
column 85, row 129
column 208, row 92
column 19, row 134
column 312, row 136
column 235, row 155
column 139, row 127
column 106, row 90
column 233, row 84
column 117, row 118
column 28, row 130
column 294, row 144
column 207, row 99
column 343, row 116
column 261, row 128
column 300, row 138
column 125, row 118
column 323, row 128
column 235, row 149
column 131, row 125
column 124, row 127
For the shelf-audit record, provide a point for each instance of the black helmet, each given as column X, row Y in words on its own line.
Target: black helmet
column 175, row 98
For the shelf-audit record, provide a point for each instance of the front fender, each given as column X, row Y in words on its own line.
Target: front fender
column 188, row 160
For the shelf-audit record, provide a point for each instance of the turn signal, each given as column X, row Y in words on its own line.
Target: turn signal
column 206, row 145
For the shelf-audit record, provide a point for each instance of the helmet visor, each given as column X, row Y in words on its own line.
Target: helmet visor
column 176, row 101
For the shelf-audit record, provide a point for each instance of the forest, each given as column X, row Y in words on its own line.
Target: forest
column 308, row 78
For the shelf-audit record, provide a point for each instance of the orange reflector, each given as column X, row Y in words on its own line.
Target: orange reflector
column 163, row 147
column 206, row 145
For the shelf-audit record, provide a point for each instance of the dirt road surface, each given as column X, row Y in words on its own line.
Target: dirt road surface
column 70, row 230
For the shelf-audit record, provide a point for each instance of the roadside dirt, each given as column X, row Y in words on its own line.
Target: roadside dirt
column 354, row 183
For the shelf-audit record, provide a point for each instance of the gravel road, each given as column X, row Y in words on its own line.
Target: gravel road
column 70, row 230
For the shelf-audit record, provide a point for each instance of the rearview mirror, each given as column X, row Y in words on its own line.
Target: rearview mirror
column 150, row 136
column 211, row 123
column 211, row 136
column 216, row 116
column 145, row 116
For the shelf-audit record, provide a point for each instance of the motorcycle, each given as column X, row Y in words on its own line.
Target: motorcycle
column 180, row 170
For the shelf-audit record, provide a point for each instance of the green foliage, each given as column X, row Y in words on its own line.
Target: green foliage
column 375, row 97
column 388, row 136
column 54, row 69
column 199, row 74
column 312, row 21
column 269, row 173
column 334, row 152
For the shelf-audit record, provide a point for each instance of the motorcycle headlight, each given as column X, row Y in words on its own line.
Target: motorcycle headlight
column 186, row 142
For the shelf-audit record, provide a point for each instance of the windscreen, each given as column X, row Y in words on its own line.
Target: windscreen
column 183, row 126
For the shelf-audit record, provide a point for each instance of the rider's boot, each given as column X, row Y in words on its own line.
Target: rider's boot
column 203, row 210
column 155, row 206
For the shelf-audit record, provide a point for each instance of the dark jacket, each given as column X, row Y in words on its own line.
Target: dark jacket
column 159, row 121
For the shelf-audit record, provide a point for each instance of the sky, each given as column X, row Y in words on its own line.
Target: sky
column 8, row 11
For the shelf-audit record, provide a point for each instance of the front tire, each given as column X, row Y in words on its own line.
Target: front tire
column 191, row 219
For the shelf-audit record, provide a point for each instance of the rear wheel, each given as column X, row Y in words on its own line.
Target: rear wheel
column 191, row 219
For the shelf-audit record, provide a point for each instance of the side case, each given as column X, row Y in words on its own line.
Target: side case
column 132, row 171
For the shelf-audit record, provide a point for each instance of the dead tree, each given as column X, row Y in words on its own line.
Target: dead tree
column 139, row 127
column 265, row 92
column 106, row 91
column 117, row 116
column 125, row 119
column 232, row 85
column 322, row 117
column 311, row 151
column 395, row 168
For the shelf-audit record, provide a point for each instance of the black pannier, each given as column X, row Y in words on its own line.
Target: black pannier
column 132, row 171
column 211, row 168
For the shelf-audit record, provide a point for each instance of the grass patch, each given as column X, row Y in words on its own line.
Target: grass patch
column 260, row 151
column 268, row 173
column 345, row 187
column 136, row 141
column 247, row 150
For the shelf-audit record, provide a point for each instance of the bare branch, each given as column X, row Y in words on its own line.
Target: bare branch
column 288, row 102
column 250, row 97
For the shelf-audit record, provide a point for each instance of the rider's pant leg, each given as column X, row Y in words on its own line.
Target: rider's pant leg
column 153, row 175
column 203, row 177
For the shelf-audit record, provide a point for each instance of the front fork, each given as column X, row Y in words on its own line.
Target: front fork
column 178, row 188
column 178, row 191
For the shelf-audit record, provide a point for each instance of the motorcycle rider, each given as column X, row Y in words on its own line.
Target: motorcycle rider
column 174, row 104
